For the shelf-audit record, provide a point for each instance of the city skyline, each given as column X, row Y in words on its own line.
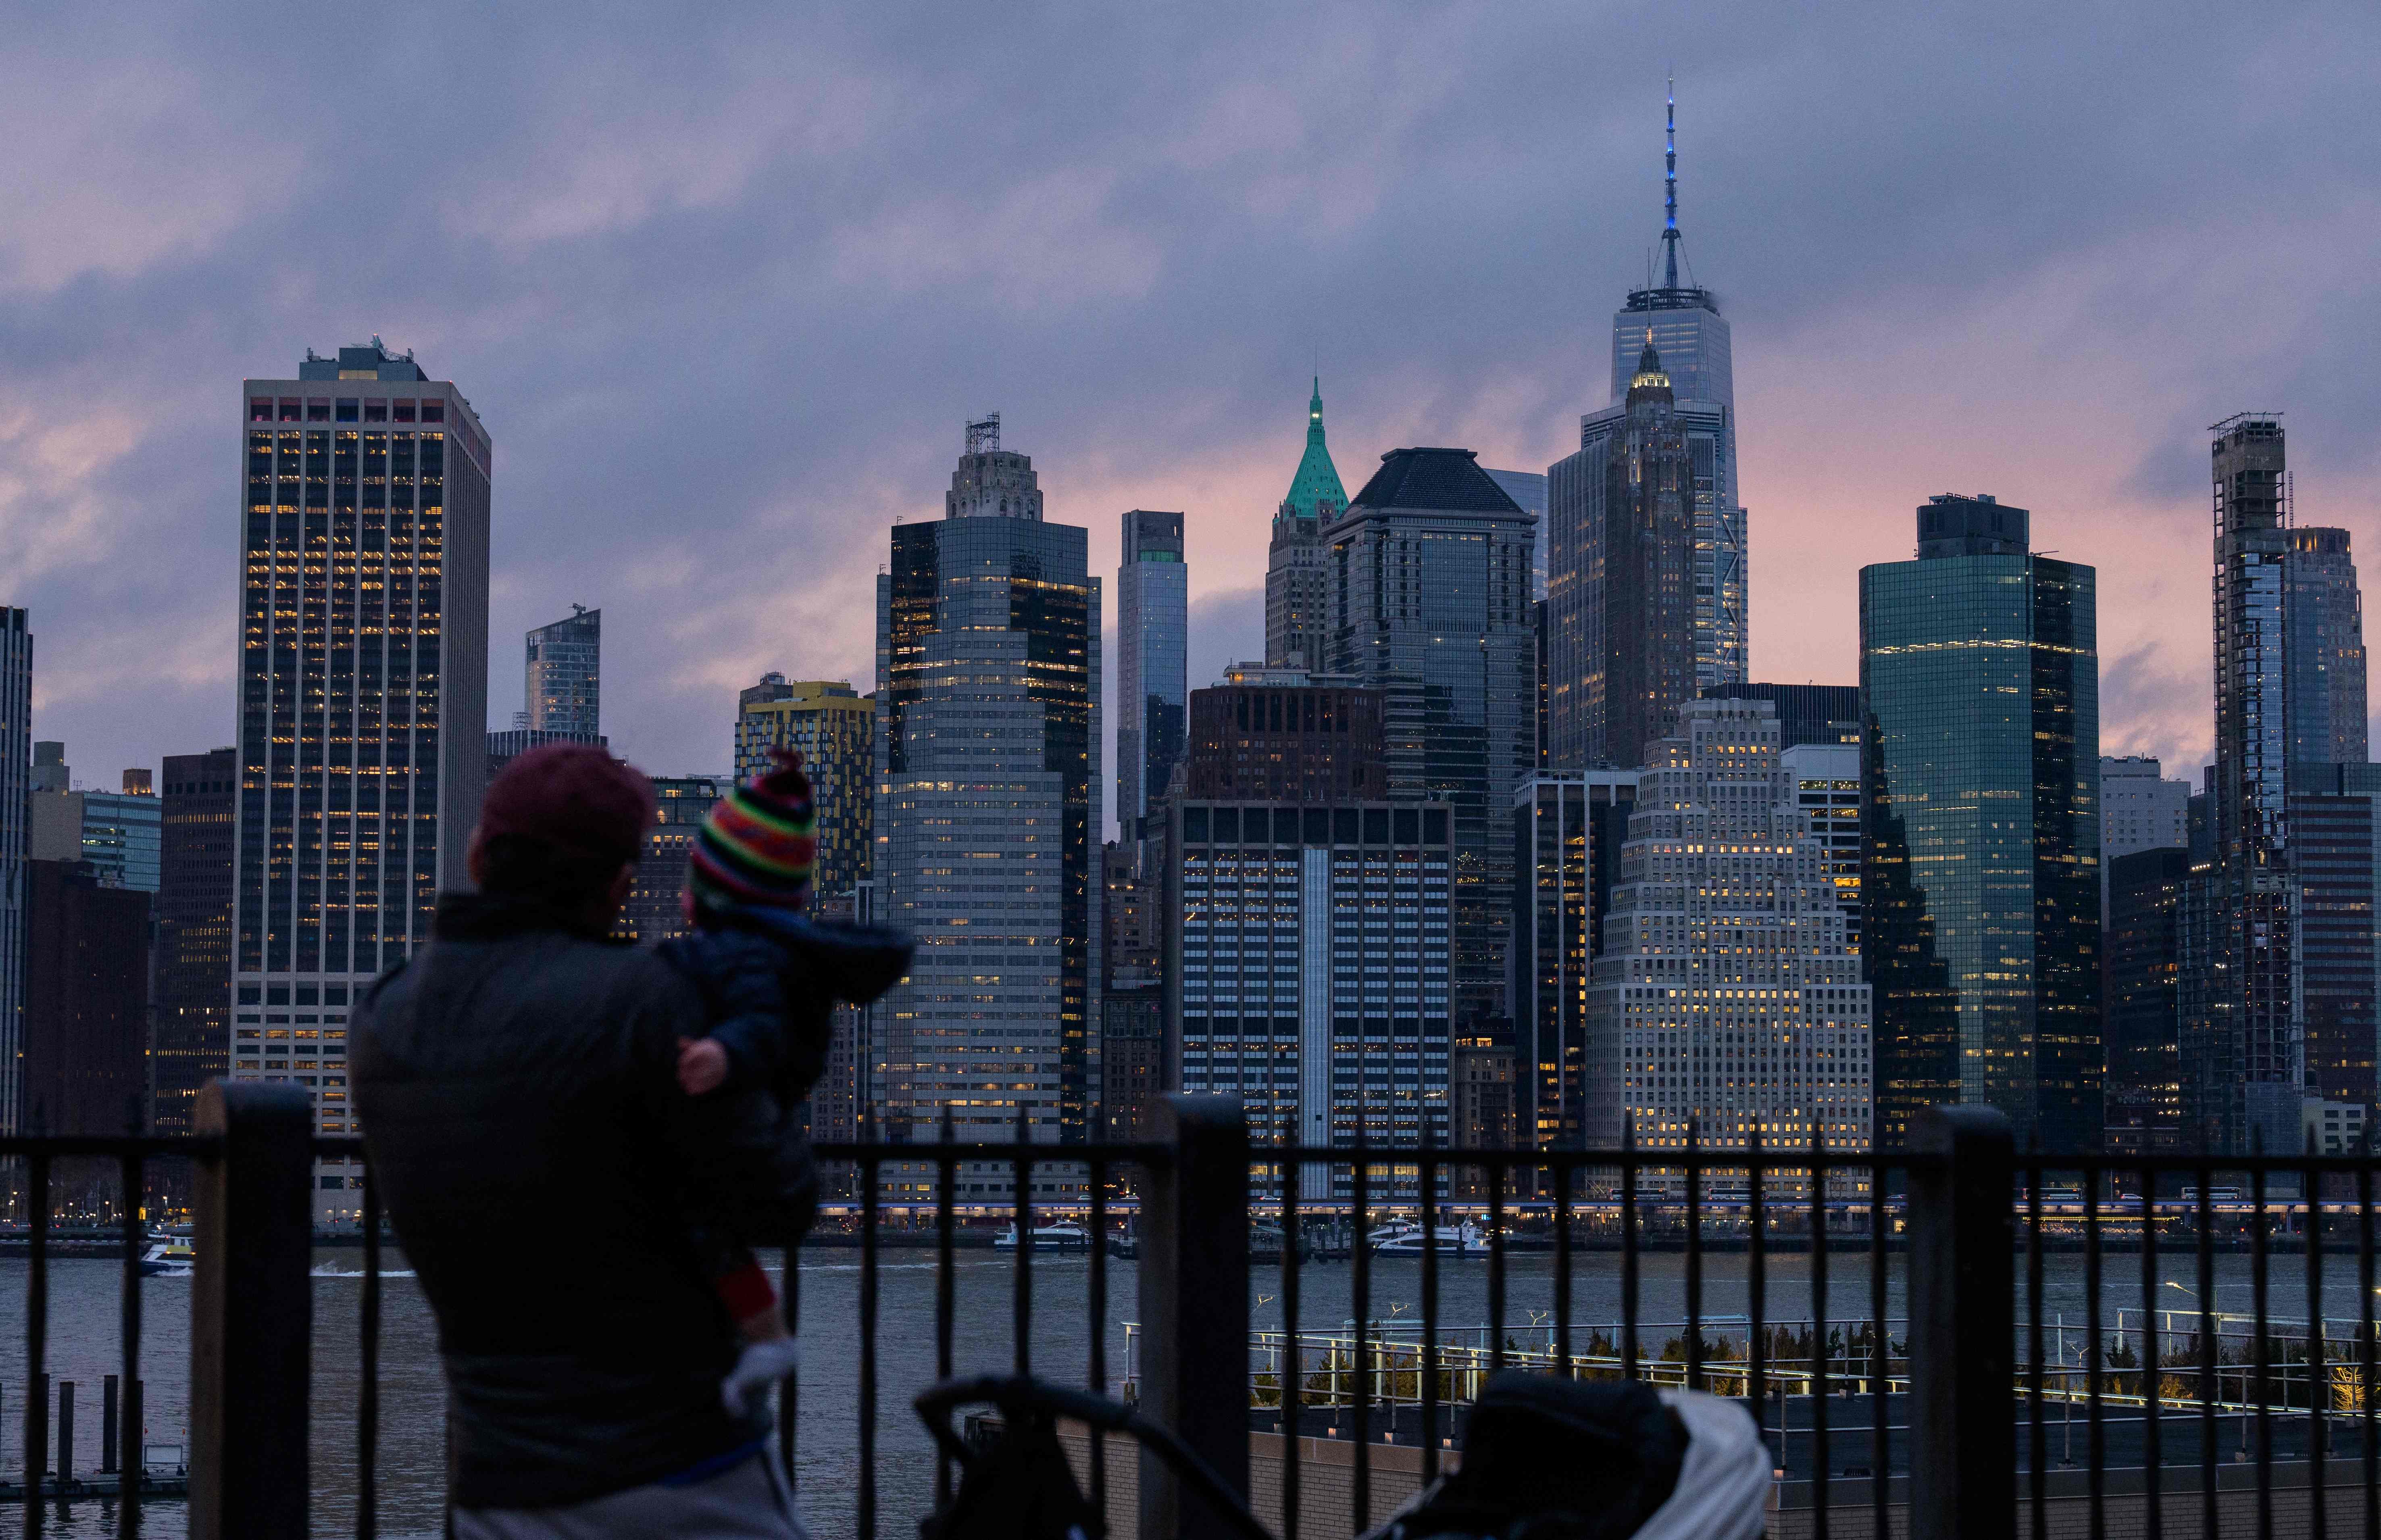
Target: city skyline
column 2069, row 314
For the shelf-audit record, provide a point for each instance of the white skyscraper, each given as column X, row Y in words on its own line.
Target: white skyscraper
column 1727, row 998
column 2140, row 810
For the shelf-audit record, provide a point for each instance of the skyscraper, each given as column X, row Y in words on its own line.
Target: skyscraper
column 1620, row 584
column 363, row 697
column 115, row 832
column 1429, row 605
column 86, row 1065
column 1285, row 735
column 2140, row 810
column 833, row 728
column 2326, row 668
column 1681, row 322
column 2242, row 1052
column 987, row 700
column 1297, row 586
column 1980, row 894
column 1306, row 967
column 1827, row 781
column 16, row 786
column 1726, row 1003
column 1568, row 829
column 656, row 908
column 194, row 929
column 1806, row 713
column 1153, row 682
column 1529, row 489
column 563, row 678
column 2143, row 1014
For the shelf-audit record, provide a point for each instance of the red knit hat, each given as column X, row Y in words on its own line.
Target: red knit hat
column 574, row 797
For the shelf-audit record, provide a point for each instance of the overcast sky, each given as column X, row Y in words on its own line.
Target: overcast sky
column 725, row 282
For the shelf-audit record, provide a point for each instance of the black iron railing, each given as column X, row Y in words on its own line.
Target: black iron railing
column 1923, row 1335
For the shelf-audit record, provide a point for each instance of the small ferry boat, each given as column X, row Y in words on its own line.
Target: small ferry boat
column 1464, row 1240
column 1060, row 1237
column 168, row 1254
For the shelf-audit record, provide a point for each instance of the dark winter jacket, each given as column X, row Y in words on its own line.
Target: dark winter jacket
column 516, row 1083
column 770, row 981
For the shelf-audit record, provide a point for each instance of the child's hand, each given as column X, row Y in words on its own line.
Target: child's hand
column 701, row 1066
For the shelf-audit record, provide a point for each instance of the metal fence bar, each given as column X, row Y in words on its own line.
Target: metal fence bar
column 1880, row 1483
column 2038, row 1458
column 1293, row 1374
column 2097, row 1431
column 2318, row 1385
column 1096, row 1355
column 864, row 1510
column 1962, row 1452
column 2367, row 1391
column 1694, row 1260
column 1020, row 1323
column 1495, row 1275
column 251, row 1313
column 1821, row 1466
column 2210, row 1390
column 2264, row 1366
column 1195, row 1295
column 1757, row 1289
column 1562, row 1179
column 37, row 1331
column 1629, row 1249
column 368, row 1371
column 1359, row 1266
column 2153, row 1357
column 126, row 1455
column 1429, row 1387
column 946, row 1286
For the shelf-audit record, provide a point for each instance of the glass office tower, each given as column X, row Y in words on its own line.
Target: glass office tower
column 987, row 754
column 1981, row 901
column 363, row 699
column 1153, row 679
column 563, row 676
column 16, row 786
column 1429, row 605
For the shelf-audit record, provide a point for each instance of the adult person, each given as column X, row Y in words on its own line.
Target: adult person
column 524, row 1121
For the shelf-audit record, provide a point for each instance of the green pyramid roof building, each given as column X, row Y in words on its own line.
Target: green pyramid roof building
column 1315, row 492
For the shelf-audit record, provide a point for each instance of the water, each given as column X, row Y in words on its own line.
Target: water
column 83, row 1347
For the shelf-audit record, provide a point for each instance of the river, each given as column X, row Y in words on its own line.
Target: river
column 83, row 1347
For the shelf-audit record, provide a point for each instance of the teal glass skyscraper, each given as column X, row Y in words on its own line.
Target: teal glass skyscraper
column 1980, row 897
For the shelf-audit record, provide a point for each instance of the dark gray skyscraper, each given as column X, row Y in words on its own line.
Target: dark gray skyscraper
column 2241, row 1065
column 1152, row 682
column 565, row 675
column 363, row 697
column 1298, row 588
column 1980, row 897
column 1684, row 324
column 1430, row 604
column 989, row 797
column 16, row 761
column 1621, row 599
column 2326, row 651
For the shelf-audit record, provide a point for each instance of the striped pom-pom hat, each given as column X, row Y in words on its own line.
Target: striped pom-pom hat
column 758, row 843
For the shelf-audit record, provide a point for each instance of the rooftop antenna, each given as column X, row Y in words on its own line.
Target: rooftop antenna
column 1670, row 184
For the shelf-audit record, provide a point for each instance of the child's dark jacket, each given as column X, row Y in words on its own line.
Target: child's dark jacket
column 770, row 981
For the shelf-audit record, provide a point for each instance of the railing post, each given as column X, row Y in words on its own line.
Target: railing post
column 1194, row 1299
column 1962, row 1307
column 251, row 1313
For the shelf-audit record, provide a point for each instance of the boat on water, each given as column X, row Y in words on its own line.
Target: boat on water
column 170, row 1256
column 1464, row 1239
column 1061, row 1237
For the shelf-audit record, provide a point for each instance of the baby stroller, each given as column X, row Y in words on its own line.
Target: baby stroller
column 1020, row 1486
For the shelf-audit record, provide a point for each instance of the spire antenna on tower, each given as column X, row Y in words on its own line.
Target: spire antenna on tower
column 1670, row 183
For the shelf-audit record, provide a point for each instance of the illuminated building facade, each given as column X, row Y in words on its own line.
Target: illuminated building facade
column 1307, row 969
column 1567, row 828
column 1283, row 734
column 1981, row 892
column 988, row 803
column 1725, row 1002
column 363, row 700
column 2144, row 1010
column 833, row 728
column 1827, row 779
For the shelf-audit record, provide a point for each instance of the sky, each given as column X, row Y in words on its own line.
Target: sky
column 724, row 283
